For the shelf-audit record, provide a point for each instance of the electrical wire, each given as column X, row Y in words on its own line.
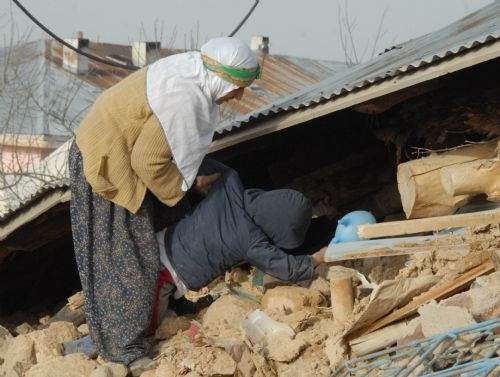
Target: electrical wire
column 98, row 58
column 77, row 50
column 244, row 19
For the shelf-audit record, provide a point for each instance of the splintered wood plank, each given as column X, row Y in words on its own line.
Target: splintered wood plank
column 397, row 228
column 382, row 338
column 395, row 246
column 76, row 301
column 439, row 293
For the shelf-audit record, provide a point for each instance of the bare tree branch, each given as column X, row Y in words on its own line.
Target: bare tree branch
column 347, row 27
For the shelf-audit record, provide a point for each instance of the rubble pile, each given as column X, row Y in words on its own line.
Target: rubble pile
column 262, row 327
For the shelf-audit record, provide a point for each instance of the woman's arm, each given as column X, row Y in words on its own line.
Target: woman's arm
column 151, row 159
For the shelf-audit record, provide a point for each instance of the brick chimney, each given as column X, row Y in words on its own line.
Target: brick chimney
column 144, row 53
column 260, row 44
column 73, row 61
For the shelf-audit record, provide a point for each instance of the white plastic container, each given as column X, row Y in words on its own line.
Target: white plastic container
column 258, row 324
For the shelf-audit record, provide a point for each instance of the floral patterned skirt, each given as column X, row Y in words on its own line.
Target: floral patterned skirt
column 118, row 261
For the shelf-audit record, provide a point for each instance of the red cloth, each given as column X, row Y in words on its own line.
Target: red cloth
column 164, row 278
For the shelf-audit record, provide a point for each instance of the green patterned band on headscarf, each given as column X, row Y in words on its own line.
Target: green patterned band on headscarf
column 241, row 77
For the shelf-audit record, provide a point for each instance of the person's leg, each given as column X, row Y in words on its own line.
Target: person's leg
column 118, row 262
column 166, row 291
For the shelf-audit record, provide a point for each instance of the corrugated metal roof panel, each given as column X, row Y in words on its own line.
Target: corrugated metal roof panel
column 38, row 191
column 282, row 75
column 41, row 176
column 474, row 30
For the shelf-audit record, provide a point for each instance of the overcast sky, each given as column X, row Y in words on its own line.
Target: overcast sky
column 308, row 28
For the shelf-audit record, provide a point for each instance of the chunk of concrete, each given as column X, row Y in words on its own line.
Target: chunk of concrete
column 74, row 365
column 110, row 370
column 117, row 370
column 48, row 342
column 290, row 299
column 5, row 337
column 190, row 374
column 482, row 300
column 101, row 371
column 44, row 320
column 438, row 319
column 279, row 347
column 18, row 355
column 298, row 321
column 23, row 329
column 224, row 316
column 150, row 373
column 245, row 364
column 304, row 367
column 336, row 351
column 170, row 326
column 166, row 369
column 322, row 285
column 83, row 329
column 4, row 333
column 209, row 362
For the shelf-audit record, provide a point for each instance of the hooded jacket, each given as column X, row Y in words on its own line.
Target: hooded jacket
column 232, row 225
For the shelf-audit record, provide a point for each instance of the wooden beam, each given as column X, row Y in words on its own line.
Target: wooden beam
column 342, row 299
column 76, row 301
column 473, row 178
column 429, row 224
column 393, row 246
column 382, row 338
column 420, row 180
column 438, row 293
column 288, row 119
column 382, row 104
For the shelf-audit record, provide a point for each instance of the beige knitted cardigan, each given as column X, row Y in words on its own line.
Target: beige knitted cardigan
column 124, row 149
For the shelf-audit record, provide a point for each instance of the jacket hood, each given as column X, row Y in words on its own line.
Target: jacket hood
column 283, row 215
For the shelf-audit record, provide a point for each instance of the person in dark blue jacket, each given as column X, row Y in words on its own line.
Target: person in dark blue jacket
column 232, row 225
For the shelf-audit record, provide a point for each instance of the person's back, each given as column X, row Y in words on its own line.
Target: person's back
column 222, row 231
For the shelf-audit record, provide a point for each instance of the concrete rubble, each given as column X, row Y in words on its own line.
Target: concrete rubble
column 314, row 345
column 437, row 319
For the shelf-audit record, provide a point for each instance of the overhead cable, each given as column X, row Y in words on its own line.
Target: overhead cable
column 244, row 19
column 77, row 50
column 98, row 58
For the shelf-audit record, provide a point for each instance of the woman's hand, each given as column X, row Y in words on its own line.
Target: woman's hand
column 204, row 183
column 319, row 256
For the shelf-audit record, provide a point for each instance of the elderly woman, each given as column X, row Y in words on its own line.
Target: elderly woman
column 145, row 137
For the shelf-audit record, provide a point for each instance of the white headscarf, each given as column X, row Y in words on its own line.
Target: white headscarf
column 182, row 94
